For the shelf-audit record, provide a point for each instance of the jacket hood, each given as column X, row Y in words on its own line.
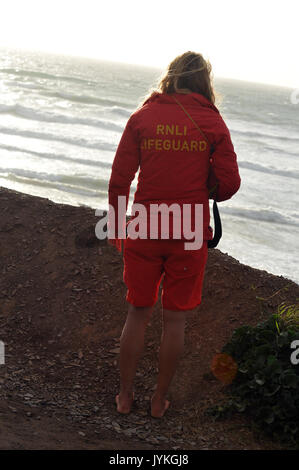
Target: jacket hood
column 184, row 98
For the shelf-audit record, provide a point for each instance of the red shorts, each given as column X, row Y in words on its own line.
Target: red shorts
column 148, row 261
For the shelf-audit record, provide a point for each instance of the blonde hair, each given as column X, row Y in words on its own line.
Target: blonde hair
column 188, row 72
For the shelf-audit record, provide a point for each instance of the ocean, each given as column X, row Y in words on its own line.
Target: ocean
column 61, row 119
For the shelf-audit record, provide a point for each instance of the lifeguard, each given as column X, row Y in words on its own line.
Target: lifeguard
column 160, row 143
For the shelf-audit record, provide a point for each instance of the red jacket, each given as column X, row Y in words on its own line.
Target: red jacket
column 172, row 155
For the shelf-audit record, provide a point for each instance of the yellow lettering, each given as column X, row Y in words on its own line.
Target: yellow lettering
column 166, row 144
column 185, row 130
column 169, row 129
column 173, row 144
column 202, row 145
column 185, row 146
column 177, row 132
column 178, row 146
column 160, row 129
column 150, row 143
column 158, row 143
column 193, row 146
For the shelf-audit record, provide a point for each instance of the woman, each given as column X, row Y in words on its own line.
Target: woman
column 163, row 141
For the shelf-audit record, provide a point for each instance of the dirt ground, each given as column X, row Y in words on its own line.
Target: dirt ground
column 62, row 312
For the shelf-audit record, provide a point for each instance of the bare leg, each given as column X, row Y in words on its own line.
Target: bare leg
column 131, row 348
column 171, row 348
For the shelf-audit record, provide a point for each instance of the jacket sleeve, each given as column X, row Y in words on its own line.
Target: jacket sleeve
column 124, row 168
column 224, row 167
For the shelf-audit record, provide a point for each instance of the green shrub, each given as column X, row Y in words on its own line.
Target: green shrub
column 266, row 386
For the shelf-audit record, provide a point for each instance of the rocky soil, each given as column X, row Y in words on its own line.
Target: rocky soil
column 61, row 316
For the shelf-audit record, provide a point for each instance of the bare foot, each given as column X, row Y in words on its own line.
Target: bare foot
column 124, row 404
column 159, row 407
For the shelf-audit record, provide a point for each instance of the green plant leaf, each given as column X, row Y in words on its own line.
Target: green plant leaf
column 266, row 386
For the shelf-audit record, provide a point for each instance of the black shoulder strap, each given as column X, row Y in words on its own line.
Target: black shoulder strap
column 217, row 221
column 217, row 227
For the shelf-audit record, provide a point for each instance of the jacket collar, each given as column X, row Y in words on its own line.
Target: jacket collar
column 184, row 98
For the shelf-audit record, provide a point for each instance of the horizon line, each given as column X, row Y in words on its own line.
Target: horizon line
column 134, row 64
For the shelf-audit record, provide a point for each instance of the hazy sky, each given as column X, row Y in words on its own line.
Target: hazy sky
column 250, row 40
